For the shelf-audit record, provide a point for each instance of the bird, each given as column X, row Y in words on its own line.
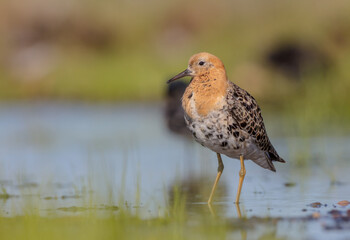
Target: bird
column 224, row 117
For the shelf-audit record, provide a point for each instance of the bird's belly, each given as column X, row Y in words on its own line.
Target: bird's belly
column 212, row 132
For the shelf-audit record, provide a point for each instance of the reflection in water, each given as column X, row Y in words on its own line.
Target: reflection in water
column 195, row 189
column 238, row 208
column 242, row 230
column 192, row 192
column 213, row 210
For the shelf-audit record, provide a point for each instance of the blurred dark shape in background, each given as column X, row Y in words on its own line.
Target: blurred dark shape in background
column 295, row 60
column 174, row 113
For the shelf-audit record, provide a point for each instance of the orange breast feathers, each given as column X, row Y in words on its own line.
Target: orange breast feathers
column 205, row 93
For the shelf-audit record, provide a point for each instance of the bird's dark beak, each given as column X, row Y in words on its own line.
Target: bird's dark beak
column 180, row 75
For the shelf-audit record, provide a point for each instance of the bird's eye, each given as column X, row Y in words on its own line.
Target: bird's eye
column 201, row 63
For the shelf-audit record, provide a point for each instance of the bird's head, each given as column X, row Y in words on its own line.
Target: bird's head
column 199, row 64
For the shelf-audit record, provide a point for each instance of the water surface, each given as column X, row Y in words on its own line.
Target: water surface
column 61, row 156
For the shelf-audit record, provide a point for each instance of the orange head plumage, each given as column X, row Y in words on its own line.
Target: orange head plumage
column 208, row 86
column 202, row 64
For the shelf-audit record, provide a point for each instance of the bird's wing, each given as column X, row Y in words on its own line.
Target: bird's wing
column 245, row 111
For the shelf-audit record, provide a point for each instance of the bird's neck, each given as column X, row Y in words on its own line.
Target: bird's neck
column 205, row 93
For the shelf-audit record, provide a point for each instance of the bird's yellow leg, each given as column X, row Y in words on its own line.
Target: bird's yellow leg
column 241, row 178
column 220, row 169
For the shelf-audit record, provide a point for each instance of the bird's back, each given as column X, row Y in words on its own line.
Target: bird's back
column 245, row 119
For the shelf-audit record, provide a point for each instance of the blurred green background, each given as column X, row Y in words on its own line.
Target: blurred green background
column 293, row 56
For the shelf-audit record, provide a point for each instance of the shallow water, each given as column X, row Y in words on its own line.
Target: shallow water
column 61, row 156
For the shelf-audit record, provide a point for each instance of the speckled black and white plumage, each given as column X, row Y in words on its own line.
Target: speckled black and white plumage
column 235, row 129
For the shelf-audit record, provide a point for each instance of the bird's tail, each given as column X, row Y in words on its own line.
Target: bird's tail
column 267, row 160
column 273, row 156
